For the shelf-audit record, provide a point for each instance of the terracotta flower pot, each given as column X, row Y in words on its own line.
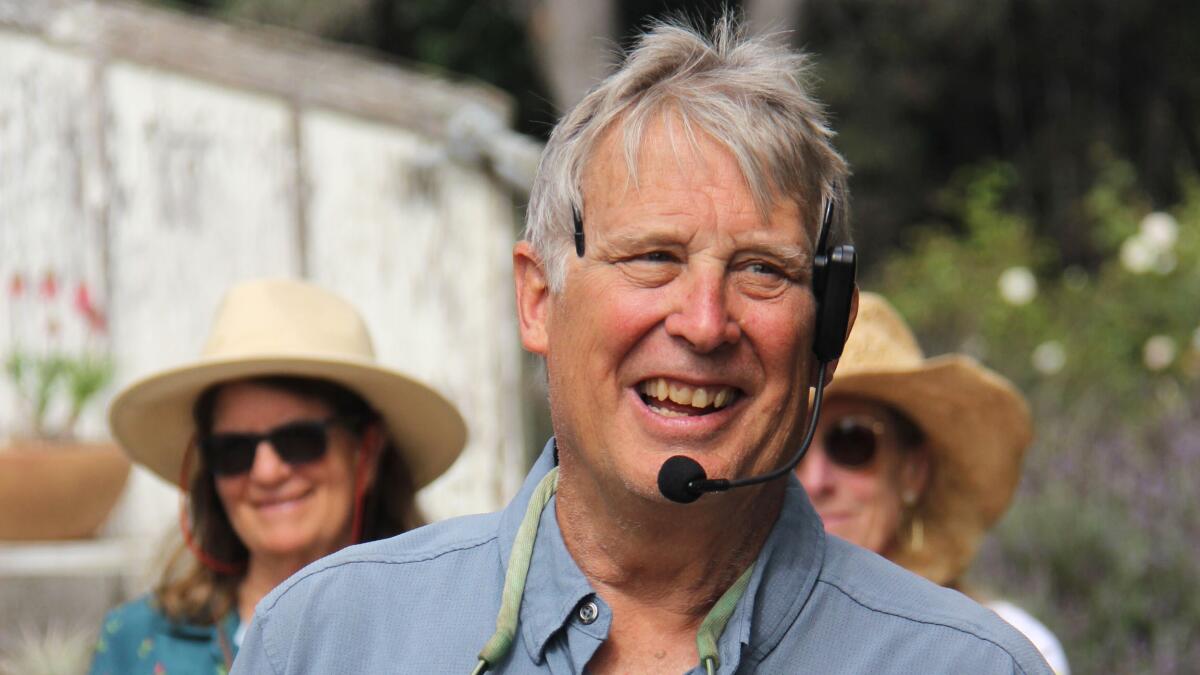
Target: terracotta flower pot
column 58, row 490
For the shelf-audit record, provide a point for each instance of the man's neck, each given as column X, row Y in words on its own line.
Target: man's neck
column 661, row 567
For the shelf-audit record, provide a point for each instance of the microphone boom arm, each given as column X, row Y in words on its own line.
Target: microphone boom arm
column 683, row 480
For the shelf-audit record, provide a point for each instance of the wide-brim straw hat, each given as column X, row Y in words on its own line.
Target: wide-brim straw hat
column 284, row 327
column 977, row 426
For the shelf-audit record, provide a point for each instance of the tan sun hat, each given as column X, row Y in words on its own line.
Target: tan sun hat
column 286, row 327
column 977, row 425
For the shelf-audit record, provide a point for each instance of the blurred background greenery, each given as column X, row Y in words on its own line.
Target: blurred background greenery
column 1027, row 190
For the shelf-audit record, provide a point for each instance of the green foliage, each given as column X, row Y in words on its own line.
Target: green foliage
column 85, row 377
column 54, row 378
column 41, row 379
column 920, row 89
column 1102, row 538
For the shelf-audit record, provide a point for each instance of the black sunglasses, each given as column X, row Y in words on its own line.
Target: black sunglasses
column 299, row 442
column 853, row 442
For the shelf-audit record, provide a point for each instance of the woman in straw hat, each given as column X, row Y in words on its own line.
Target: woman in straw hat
column 915, row 458
column 288, row 442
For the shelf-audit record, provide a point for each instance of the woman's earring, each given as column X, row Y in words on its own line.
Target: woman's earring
column 916, row 540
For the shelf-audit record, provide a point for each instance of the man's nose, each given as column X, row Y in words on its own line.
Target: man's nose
column 702, row 317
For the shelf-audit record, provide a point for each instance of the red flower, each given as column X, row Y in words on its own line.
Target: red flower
column 83, row 299
column 16, row 285
column 84, row 305
column 49, row 286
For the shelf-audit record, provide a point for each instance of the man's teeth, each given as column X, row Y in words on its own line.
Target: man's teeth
column 696, row 397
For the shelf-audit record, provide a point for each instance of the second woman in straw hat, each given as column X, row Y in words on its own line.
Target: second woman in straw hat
column 289, row 442
column 915, row 458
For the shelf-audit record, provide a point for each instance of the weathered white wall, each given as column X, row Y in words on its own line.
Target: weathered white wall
column 49, row 192
column 160, row 184
column 413, row 238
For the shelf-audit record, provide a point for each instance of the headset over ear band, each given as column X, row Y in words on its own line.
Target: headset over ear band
column 833, row 287
column 578, row 232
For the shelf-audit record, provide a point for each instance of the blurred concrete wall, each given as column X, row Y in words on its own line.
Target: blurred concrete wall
column 160, row 158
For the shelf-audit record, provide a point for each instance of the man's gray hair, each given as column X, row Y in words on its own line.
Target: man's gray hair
column 749, row 93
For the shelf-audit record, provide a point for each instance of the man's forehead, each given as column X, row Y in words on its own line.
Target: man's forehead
column 659, row 159
column 622, row 152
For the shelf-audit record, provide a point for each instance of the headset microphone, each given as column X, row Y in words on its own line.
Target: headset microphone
column 681, row 479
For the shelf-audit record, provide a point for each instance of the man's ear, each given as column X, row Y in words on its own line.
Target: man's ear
column 533, row 297
column 832, row 367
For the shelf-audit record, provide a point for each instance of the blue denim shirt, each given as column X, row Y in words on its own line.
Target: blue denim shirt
column 426, row 602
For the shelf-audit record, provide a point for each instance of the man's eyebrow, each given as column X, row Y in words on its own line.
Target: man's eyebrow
column 787, row 254
column 645, row 238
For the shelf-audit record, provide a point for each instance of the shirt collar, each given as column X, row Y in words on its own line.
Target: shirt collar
column 784, row 576
column 510, row 518
column 556, row 586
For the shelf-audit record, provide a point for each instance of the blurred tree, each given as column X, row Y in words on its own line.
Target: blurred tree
column 921, row 88
column 484, row 39
column 574, row 40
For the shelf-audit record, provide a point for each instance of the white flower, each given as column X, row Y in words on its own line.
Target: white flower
column 1159, row 230
column 1158, row 352
column 1049, row 357
column 1137, row 255
column 1017, row 285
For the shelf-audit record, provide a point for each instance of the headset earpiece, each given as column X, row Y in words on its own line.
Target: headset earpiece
column 578, row 232
column 833, row 289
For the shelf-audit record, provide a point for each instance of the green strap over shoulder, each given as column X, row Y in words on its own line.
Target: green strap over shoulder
column 714, row 624
column 518, row 571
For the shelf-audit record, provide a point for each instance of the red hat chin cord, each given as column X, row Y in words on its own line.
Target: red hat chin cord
column 220, row 567
column 185, row 527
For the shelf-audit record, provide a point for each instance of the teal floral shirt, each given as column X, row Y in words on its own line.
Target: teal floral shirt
column 137, row 639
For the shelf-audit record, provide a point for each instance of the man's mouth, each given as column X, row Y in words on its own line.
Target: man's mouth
column 675, row 399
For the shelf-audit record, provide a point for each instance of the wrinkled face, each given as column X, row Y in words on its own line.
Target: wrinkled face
column 687, row 326
column 277, row 509
column 862, row 502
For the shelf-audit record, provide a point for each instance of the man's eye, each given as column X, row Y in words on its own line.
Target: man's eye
column 764, row 268
column 657, row 256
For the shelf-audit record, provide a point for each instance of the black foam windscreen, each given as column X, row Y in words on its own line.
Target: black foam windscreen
column 675, row 478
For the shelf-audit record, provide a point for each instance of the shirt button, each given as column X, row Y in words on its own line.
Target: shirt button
column 588, row 612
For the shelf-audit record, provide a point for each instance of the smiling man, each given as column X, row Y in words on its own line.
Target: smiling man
column 667, row 280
